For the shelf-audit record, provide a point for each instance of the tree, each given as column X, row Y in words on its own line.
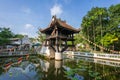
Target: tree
column 41, row 37
column 93, row 24
column 114, row 14
column 5, row 35
column 19, row 36
column 108, row 39
column 102, row 26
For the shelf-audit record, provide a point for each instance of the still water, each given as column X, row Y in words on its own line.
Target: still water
column 74, row 68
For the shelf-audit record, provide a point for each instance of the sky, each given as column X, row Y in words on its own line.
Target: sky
column 28, row 16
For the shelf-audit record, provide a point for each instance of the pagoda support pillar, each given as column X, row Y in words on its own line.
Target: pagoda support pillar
column 58, row 56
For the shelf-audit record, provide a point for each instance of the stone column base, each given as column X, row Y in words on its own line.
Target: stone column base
column 58, row 56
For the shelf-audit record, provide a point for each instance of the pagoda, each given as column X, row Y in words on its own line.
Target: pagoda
column 58, row 34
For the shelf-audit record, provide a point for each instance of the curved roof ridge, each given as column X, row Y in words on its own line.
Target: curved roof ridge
column 65, row 25
column 62, row 23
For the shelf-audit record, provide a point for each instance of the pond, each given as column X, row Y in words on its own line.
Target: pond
column 75, row 68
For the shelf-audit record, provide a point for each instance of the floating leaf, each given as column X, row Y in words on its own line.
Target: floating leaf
column 10, row 74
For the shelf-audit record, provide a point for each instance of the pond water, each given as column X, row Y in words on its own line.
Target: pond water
column 74, row 68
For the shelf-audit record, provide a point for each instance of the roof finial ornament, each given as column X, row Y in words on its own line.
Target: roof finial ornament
column 53, row 17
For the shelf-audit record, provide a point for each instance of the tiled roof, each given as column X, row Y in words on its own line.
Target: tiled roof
column 62, row 24
column 65, row 25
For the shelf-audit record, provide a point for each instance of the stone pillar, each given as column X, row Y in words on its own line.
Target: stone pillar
column 58, row 56
column 47, row 51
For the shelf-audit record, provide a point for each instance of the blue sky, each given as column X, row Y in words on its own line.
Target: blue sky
column 27, row 16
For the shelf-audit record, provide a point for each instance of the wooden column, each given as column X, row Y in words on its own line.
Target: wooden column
column 65, row 42
column 72, row 43
column 45, row 42
column 72, row 40
column 56, row 38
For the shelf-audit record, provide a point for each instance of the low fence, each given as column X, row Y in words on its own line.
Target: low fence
column 95, row 55
column 13, row 53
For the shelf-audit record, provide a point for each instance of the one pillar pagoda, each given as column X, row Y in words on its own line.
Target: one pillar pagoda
column 58, row 33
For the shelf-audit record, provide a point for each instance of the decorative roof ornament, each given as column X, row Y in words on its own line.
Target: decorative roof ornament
column 54, row 18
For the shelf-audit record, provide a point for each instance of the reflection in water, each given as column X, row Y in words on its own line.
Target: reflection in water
column 92, row 70
column 18, row 72
column 78, row 68
column 52, row 70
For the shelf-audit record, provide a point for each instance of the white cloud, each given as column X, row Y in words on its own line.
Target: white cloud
column 29, row 30
column 56, row 10
column 26, row 10
column 29, row 26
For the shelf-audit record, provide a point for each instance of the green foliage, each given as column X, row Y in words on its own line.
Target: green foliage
column 32, row 40
column 19, row 36
column 92, row 23
column 108, row 39
column 94, row 74
column 71, row 74
column 41, row 37
column 1, row 70
column 80, row 68
column 102, row 26
column 5, row 34
column 69, row 42
column 78, row 38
